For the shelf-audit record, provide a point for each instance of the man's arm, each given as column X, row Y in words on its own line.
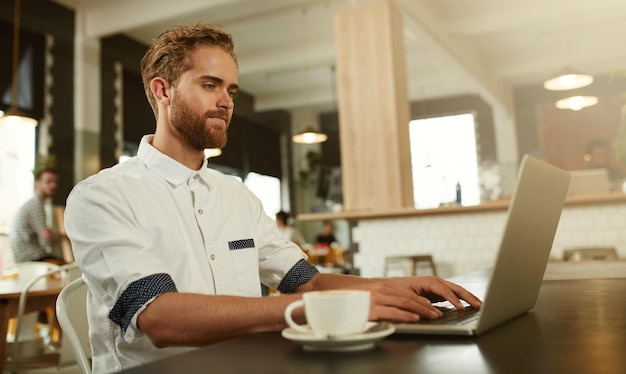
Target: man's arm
column 47, row 235
column 36, row 217
column 183, row 319
column 206, row 319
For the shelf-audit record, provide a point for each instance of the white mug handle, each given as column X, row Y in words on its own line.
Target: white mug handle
column 290, row 308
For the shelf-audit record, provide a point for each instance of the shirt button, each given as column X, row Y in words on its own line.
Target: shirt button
column 200, row 211
column 195, row 176
column 212, row 257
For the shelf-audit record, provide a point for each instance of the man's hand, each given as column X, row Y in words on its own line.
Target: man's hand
column 48, row 234
column 408, row 299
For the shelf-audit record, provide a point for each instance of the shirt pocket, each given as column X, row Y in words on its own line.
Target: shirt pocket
column 245, row 257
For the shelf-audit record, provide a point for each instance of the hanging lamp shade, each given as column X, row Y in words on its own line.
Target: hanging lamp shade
column 309, row 136
column 16, row 117
column 576, row 102
column 13, row 115
column 568, row 78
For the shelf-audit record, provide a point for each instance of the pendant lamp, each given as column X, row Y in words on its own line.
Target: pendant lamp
column 568, row 78
column 309, row 136
column 576, row 102
column 13, row 115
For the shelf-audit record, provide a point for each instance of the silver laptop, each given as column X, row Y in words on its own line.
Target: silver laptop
column 511, row 287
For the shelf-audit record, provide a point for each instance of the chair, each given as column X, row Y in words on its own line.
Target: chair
column 72, row 315
column 28, row 274
column 408, row 265
column 28, row 351
column 590, row 254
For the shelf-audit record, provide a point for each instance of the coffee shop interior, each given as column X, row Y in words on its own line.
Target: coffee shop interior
column 426, row 114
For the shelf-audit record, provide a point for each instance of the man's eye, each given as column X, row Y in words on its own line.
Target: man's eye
column 233, row 94
column 209, row 86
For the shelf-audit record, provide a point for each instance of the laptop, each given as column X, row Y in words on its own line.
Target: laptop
column 512, row 286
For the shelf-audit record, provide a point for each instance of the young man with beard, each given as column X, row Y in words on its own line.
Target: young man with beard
column 174, row 252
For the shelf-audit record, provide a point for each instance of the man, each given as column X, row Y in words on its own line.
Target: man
column 600, row 155
column 288, row 231
column 31, row 238
column 327, row 236
column 173, row 252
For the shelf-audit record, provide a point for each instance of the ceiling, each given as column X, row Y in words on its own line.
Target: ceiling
column 487, row 47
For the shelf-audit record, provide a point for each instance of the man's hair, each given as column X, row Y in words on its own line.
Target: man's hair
column 168, row 57
column 40, row 172
column 283, row 216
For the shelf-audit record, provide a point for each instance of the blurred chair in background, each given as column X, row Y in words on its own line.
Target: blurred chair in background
column 409, row 265
column 590, row 254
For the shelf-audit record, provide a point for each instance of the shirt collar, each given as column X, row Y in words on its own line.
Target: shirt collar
column 166, row 167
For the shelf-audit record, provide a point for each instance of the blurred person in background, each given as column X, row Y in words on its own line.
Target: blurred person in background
column 30, row 236
column 600, row 155
column 327, row 236
column 288, row 230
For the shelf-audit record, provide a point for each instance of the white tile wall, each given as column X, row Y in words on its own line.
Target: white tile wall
column 460, row 243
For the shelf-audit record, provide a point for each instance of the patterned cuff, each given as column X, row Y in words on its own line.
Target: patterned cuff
column 299, row 274
column 136, row 295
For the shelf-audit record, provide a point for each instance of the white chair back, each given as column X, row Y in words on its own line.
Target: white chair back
column 72, row 315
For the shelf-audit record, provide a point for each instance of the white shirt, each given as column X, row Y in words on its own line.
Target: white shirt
column 150, row 219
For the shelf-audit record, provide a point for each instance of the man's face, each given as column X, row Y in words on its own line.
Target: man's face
column 46, row 185
column 202, row 102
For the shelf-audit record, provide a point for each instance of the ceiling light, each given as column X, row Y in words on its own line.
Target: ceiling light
column 309, row 136
column 14, row 115
column 568, row 79
column 576, row 102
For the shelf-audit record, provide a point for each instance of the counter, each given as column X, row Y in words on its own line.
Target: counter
column 463, row 239
column 496, row 205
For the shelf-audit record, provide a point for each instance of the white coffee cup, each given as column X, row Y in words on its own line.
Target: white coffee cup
column 332, row 313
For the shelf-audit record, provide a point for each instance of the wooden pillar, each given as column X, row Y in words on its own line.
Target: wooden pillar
column 373, row 108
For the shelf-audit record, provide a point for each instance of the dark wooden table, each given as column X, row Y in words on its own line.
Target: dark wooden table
column 577, row 326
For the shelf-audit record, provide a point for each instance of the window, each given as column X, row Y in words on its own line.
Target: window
column 17, row 161
column 444, row 161
column 267, row 189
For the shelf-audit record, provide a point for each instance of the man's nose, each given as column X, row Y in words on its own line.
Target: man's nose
column 226, row 101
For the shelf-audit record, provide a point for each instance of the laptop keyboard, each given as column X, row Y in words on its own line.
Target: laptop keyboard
column 454, row 316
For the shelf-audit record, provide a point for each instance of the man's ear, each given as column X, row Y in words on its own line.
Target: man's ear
column 160, row 90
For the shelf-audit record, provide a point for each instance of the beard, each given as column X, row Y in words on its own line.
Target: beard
column 194, row 128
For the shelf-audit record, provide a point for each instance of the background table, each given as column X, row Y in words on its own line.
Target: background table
column 578, row 326
column 43, row 295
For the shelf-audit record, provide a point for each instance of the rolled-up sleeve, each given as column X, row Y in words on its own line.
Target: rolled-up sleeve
column 138, row 294
column 301, row 273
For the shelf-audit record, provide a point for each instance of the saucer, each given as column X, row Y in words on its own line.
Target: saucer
column 347, row 343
